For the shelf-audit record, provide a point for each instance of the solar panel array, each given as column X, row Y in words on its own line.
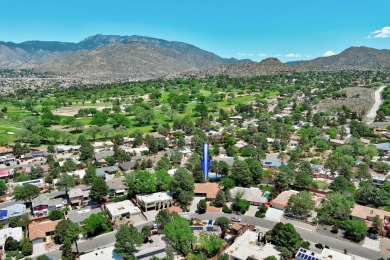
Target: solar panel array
column 303, row 254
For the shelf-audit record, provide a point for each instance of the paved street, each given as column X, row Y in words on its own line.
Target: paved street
column 352, row 248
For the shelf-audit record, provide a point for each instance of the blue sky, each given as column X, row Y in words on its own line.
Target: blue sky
column 287, row 29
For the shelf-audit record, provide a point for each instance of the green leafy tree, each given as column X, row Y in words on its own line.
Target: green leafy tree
column 27, row 248
column 182, row 186
column 127, row 239
column 67, row 253
column 285, row 236
column 3, row 187
column 303, row 180
column 356, row 230
column 162, row 180
column 241, row 174
column 335, row 207
column 55, row 215
column 86, row 151
column 19, row 221
column 179, row 235
column 283, row 178
column 211, row 243
column 220, row 199
column 26, row 192
column 146, row 232
column 223, row 222
column 65, row 183
column 43, row 257
column 90, row 175
column 301, row 203
column 163, row 164
column 99, row 190
column 202, row 206
column 341, row 185
column 11, row 244
column 96, row 224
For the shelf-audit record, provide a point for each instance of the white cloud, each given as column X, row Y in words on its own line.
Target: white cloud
column 246, row 54
column 328, row 53
column 277, row 55
column 293, row 55
column 382, row 33
column 262, row 54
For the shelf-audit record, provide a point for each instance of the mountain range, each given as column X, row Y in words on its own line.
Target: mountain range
column 113, row 57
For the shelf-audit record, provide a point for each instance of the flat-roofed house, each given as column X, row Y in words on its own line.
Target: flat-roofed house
column 16, row 233
column 77, row 196
column 253, row 195
column 122, row 209
column 116, row 187
column 40, row 205
column 155, row 201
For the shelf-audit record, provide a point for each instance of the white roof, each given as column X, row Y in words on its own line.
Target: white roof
column 16, row 233
column 122, row 207
column 331, row 254
column 246, row 246
column 154, row 197
column 249, row 194
column 172, row 171
column 79, row 173
column 101, row 254
column 77, row 192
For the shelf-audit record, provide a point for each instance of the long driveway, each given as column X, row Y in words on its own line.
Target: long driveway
column 378, row 102
column 352, row 248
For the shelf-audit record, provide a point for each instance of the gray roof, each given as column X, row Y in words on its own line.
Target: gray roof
column 55, row 202
column 127, row 166
column 383, row 146
column 102, row 171
column 79, row 215
column 116, row 184
column 228, row 160
column 40, row 200
column 103, row 155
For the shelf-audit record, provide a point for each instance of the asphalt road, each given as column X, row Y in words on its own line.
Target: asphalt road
column 352, row 248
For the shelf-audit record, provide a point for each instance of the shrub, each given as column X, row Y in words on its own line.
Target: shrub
column 335, row 229
column 225, row 209
column 19, row 256
column 8, row 258
column 319, row 246
column 55, row 215
column 259, row 214
column 27, row 248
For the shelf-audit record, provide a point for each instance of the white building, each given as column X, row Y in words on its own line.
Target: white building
column 253, row 195
column 102, row 254
column 16, row 233
column 155, row 201
column 247, row 246
column 122, row 209
column 326, row 254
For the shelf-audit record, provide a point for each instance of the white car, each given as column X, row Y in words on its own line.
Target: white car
column 235, row 219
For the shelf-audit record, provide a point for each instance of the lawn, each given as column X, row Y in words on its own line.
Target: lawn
column 321, row 185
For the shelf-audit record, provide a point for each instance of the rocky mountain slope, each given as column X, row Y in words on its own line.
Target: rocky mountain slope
column 110, row 57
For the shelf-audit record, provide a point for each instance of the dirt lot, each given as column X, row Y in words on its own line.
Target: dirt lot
column 358, row 99
column 71, row 111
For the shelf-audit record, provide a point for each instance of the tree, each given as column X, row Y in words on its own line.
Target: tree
column 182, row 186
column 26, row 192
column 92, row 131
column 19, row 221
column 27, row 248
column 211, row 243
column 106, row 131
column 285, row 236
column 341, row 185
column 140, row 182
column 19, row 150
column 355, row 230
column 65, row 183
column 223, row 222
column 376, row 226
column 220, row 199
column 162, row 180
column 163, row 164
column 283, row 178
column 164, row 217
column 96, row 224
column 67, row 253
column 335, row 207
column 99, row 190
column 146, row 232
column 11, row 244
column 303, row 180
column 179, row 235
column 43, row 257
column 3, row 187
column 202, row 206
column 55, row 215
column 127, row 238
column 301, row 204
column 241, row 174
column 90, row 175
column 62, row 228
column 86, row 151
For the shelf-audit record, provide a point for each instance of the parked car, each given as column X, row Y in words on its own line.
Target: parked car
column 235, row 219
column 257, row 230
column 211, row 222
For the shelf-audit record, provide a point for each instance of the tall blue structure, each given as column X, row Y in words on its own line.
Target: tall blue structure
column 206, row 161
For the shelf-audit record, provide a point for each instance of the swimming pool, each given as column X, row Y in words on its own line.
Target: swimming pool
column 266, row 195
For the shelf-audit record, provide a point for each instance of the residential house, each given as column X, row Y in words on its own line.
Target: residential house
column 272, row 161
column 337, row 142
column 79, row 173
column 40, row 183
column 366, row 214
column 7, row 173
column 40, row 205
column 55, row 204
column 12, row 211
column 5, row 150
column 7, row 159
column 155, row 201
column 106, row 253
column 249, row 246
column 102, row 155
column 102, row 172
column 36, row 154
column 116, row 187
column 105, row 144
column 16, row 233
column 126, row 166
column 383, row 147
column 77, row 216
column 38, row 231
column 208, row 190
column 77, row 196
column 229, row 160
column 67, row 148
column 122, row 209
column 253, row 195
column 281, row 201
column 326, row 254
